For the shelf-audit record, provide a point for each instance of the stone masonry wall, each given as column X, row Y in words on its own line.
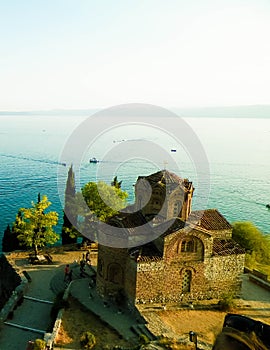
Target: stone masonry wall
column 223, row 274
column 149, row 284
column 160, row 282
column 111, row 271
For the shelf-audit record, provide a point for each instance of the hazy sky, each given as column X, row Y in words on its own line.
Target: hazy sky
column 83, row 53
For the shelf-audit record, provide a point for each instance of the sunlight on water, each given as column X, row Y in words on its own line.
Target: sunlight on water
column 237, row 150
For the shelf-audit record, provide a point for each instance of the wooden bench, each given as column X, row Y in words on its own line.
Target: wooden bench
column 40, row 259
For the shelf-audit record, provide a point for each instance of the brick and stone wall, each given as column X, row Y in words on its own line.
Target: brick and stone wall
column 111, row 271
column 211, row 278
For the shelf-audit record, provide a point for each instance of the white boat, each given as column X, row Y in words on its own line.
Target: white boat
column 93, row 160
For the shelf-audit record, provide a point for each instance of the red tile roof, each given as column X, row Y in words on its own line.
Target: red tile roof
column 209, row 219
column 226, row 247
column 147, row 252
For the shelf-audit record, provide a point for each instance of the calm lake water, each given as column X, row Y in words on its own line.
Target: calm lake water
column 237, row 151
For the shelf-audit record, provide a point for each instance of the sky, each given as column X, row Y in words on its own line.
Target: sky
column 72, row 54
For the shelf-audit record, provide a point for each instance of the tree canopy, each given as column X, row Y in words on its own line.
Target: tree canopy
column 253, row 240
column 35, row 226
column 104, row 200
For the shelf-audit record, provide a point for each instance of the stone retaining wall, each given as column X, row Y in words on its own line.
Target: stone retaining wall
column 50, row 337
column 14, row 283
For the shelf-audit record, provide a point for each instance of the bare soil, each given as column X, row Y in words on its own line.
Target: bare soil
column 77, row 320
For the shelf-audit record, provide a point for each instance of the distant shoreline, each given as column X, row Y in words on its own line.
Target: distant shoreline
column 251, row 111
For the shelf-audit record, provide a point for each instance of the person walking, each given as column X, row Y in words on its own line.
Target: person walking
column 67, row 273
column 87, row 258
column 82, row 270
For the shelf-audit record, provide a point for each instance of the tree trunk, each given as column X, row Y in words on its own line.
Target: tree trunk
column 36, row 249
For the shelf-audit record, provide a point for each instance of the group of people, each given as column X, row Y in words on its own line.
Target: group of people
column 84, row 261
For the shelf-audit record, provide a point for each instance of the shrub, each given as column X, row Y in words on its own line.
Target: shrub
column 253, row 240
column 88, row 340
column 144, row 339
column 39, row 344
column 227, row 302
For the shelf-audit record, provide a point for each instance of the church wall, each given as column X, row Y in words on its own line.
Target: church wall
column 149, row 284
column 161, row 283
column 111, row 271
column 173, row 243
column 130, row 280
column 209, row 279
column 223, row 273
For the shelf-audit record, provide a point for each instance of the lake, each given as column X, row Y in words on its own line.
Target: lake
column 31, row 154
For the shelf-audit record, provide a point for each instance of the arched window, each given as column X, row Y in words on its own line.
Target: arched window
column 189, row 245
column 100, row 267
column 115, row 273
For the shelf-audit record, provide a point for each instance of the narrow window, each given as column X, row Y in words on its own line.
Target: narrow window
column 190, row 246
column 186, row 281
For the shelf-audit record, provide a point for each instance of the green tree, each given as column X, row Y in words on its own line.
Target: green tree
column 35, row 226
column 257, row 244
column 103, row 200
column 69, row 234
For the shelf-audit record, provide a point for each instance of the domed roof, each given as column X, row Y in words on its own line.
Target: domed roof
column 167, row 178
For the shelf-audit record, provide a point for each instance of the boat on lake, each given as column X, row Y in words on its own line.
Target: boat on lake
column 93, row 160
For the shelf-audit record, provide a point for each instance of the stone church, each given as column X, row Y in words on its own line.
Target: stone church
column 182, row 255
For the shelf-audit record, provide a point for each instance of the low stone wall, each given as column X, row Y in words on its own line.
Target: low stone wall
column 261, row 282
column 50, row 337
column 15, row 283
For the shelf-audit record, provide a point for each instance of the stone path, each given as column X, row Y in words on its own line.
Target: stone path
column 35, row 314
column 47, row 282
column 30, row 313
column 128, row 324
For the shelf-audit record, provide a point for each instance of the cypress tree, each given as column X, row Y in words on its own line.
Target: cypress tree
column 69, row 215
column 8, row 240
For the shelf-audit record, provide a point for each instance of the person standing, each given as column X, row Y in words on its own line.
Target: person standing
column 67, row 273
